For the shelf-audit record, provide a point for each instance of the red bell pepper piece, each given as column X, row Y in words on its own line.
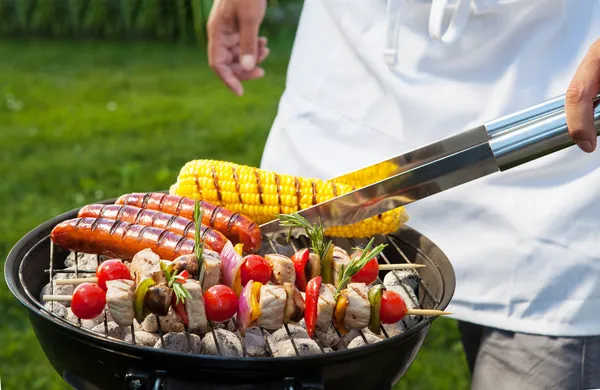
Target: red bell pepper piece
column 311, row 301
column 179, row 309
column 300, row 258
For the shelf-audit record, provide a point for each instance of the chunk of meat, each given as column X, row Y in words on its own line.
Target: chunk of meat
column 358, row 312
column 119, row 300
column 272, row 305
column 325, row 306
column 313, row 266
column 229, row 344
column 340, row 259
column 144, row 264
column 294, row 306
column 283, row 269
column 212, row 275
column 180, row 342
column 194, row 307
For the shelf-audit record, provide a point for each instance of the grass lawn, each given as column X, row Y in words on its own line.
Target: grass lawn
column 81, row 122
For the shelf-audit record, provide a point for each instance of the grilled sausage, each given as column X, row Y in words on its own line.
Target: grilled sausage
column 236, row 227
column 214, row 239
column 118, row 239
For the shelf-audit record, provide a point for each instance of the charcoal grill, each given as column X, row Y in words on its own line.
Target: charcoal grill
column 89, row 360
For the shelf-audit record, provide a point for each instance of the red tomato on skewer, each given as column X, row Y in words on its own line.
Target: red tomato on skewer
column 368, row 273
column 393, row 308
column 255, row 268
column 111, row 270
column 221, row 303
column 88, row 301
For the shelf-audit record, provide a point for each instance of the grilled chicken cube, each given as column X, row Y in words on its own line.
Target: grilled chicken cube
column 144, row 264
column 119, row 300
column 212, row 264
column 294, row 306
column 406, row 277
column 228, row 344
column 340, row 259
column 272, row 306
column 180, row 342
column 358, row 312
column 283, row 269
column 194, row 306
column 325, row 306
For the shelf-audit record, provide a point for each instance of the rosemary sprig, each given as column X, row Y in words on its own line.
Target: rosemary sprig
column 180, row 293
column 313, row 232
column 357, row 263
column 198, row 243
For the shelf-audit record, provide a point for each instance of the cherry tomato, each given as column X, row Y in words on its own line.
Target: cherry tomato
column 111, row 270
column 88, row 301
column 368, row 273
column 392, row 308
column 255, row 268
column 221, row 303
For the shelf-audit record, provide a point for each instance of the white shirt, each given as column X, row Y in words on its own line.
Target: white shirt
column 525, row 243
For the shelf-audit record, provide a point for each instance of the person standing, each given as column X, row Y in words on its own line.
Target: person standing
column 368, row 80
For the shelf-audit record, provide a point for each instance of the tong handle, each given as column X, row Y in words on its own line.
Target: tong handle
column 533, row 133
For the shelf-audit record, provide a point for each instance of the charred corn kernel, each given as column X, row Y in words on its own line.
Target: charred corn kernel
column 262, row 195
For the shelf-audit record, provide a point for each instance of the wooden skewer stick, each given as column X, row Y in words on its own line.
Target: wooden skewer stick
column 64, row 282
column 57, row 298
column 426, row 312
column 386, row 267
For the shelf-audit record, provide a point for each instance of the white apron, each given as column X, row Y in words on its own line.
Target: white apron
column 525, row 244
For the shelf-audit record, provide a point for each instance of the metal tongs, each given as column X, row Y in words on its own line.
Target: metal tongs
column 494, row 146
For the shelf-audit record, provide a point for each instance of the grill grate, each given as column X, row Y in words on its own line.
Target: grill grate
column 303, row 241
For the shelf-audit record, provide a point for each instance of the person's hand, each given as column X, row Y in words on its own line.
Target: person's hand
column 234, row 47
column 579, row 108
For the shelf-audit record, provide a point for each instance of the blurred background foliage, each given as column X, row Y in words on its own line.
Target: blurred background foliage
column 131, row 20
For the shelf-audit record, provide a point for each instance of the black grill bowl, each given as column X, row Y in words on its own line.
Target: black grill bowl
column 91, row 361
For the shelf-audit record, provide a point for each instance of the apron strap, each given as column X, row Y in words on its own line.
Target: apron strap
column 392, row 16
column 457, row 24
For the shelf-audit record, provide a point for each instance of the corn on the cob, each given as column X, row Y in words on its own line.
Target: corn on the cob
column 262, row 195
column 367, row 176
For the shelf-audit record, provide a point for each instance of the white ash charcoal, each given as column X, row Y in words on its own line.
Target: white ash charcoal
column 137, row 325
column 305, row 346
column 359, row 341
column 328, row 350
column 57, row 309
column 87, row 324
column 143, row 338
column 327, row 338
column 254, row 342
column 168, row 323
column 409, row 298
column 229, row 344
column 85, row 261
column 114, row 330
column 58, row 289
column 296, row 331
column 407, row 277
column 179, row 342
column 394, row 329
